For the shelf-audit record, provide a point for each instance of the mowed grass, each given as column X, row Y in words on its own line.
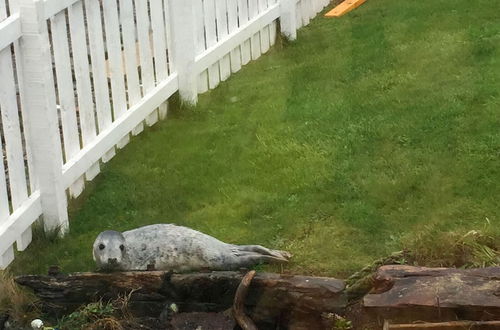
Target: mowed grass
column 337, row 147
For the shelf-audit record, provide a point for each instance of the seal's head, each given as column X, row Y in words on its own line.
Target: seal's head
column 109, row 250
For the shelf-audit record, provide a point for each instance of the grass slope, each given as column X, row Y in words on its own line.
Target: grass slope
column 364, row 132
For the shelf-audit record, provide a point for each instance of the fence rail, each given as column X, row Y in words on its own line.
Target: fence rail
column 79, row 77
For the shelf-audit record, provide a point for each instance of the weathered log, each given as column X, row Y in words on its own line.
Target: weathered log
column 241, row 317
column 435, row 294
column 270, row 297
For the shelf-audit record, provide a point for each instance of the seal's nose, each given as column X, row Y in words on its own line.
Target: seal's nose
column 112, row 261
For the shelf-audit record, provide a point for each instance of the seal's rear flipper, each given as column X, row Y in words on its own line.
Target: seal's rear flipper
column 265, row 251
column 249, row 260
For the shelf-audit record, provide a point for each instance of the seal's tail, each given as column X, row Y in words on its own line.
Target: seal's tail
column 254, row 254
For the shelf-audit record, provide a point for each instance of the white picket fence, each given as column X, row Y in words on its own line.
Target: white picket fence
column 78, row 77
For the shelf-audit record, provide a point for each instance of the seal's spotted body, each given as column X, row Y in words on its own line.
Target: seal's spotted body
column 176, row 248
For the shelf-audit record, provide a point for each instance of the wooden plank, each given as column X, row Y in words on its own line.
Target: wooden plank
column 115, row 62
column 304, row 12
column 273, row 32
column 253, row 11
column 10, row 30
column 82, row 77
column 21, row 219
column 6, row 257
column 14, row 8
column 344, row 8
column 159, row 47
column 12, row 128
column 243, row 20
column 130, row 56
column 251, row 28
column 298, row 14
column 119, row 128
column 168, row 34
column 200, row 43
column 145, row 54
column 66, row 93
column 312, row 11
column 163, row 110
column 96, row 45
column 222, row 32
column 403, row 292
column 211, row 40
column 4, row 200
column 18, row 224
column 232, row 26
column 264, row 33
column 53, row 7
column 130, row 52
column 40, row 109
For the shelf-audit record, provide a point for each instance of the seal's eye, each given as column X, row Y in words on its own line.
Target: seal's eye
column 122, row 247
column 101, row 246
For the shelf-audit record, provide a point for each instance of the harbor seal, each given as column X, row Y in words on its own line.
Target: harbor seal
column 176, row 248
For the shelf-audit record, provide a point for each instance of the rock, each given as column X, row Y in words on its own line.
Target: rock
column 434, row 294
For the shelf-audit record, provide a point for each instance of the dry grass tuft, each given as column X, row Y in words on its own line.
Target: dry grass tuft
column 475, row 248
column 19, row 304
column 107, row 323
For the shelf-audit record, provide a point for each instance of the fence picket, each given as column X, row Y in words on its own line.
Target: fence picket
column 243, row 19
column 6, row 257
column 64, row 78
column 298, row 14
column 200, row 44
column 232, row 25
column 101, row 89
column 115, row 62
column 168, row 39
column 14, row 8
column 82, row 77
column 159, row 45
column 12, row 136
column 130, row 55
column 145, row 53
column 253, row 11
column 168, row 36
column 4, row 200
column 12, row 130
column 264, row 33
column 211, row 40
column 42, row 122
column 222, row 32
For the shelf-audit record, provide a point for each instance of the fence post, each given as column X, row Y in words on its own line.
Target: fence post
column 288, row 20
column 183, row 28
column 41, row 114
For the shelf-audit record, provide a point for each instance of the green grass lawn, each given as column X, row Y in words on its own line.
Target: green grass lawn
column 339, row 147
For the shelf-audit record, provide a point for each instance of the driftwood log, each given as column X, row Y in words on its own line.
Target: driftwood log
column 272, row 298
column 435, row 294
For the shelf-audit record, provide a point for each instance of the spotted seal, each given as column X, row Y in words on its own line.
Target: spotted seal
column 176, row 248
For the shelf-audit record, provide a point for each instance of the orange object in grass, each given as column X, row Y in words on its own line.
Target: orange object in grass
column 344, row 8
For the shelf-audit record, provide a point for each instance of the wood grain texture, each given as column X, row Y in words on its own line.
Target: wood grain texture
column 433, row 294
column 270, row 296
